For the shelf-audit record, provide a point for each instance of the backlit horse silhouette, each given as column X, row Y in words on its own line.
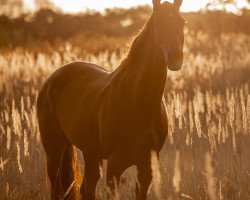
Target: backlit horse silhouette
column 118, row 116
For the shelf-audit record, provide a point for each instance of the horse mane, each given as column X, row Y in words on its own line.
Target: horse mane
column 137, row 42
column 142, row 54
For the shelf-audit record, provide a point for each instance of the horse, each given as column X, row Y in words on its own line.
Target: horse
column 117, row 116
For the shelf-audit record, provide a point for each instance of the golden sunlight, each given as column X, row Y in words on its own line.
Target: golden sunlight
column 78, row 6
column 75, row 6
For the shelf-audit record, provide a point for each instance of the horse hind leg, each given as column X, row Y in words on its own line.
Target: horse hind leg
column 54, row 158
column 61, row 159
column 54, row 147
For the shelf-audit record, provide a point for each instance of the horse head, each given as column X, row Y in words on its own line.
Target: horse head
column 169, row 32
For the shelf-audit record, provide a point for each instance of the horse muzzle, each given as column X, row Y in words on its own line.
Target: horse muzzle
column 175, row 61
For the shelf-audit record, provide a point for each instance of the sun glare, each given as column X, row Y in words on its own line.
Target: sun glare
column 78, row 6
column 75, row 6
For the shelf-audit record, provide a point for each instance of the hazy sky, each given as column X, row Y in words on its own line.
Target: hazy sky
column 81, row 5
column 73, row 5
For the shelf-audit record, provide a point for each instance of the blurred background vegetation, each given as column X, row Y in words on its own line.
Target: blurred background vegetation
column 208, row 101
column 48, row 26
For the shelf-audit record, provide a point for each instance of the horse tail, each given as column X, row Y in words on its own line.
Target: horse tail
column 70, row 173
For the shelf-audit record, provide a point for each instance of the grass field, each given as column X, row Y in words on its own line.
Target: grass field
column 206, row 155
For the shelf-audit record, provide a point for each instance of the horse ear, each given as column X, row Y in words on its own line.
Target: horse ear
column 156, row 4
column 177, row 3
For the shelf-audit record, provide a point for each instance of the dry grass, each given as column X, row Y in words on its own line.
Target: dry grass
column 206, row 155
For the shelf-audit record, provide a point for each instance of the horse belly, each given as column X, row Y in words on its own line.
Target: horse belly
column 121, row 132
column 126, row 127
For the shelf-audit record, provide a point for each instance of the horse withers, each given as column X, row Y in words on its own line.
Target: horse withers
column 117, row 116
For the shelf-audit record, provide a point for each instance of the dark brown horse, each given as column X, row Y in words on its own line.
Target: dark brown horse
column 118, row 116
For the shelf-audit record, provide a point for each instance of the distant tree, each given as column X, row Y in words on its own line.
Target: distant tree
column 45, row 4
column 11, row 8
column 14, row 8
column 223, row 3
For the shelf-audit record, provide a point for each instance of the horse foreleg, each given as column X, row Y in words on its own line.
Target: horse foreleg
column 91, row 177
column 144, row 178
column 117, row 164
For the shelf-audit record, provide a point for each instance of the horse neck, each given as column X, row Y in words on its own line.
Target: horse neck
column 143, row 72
